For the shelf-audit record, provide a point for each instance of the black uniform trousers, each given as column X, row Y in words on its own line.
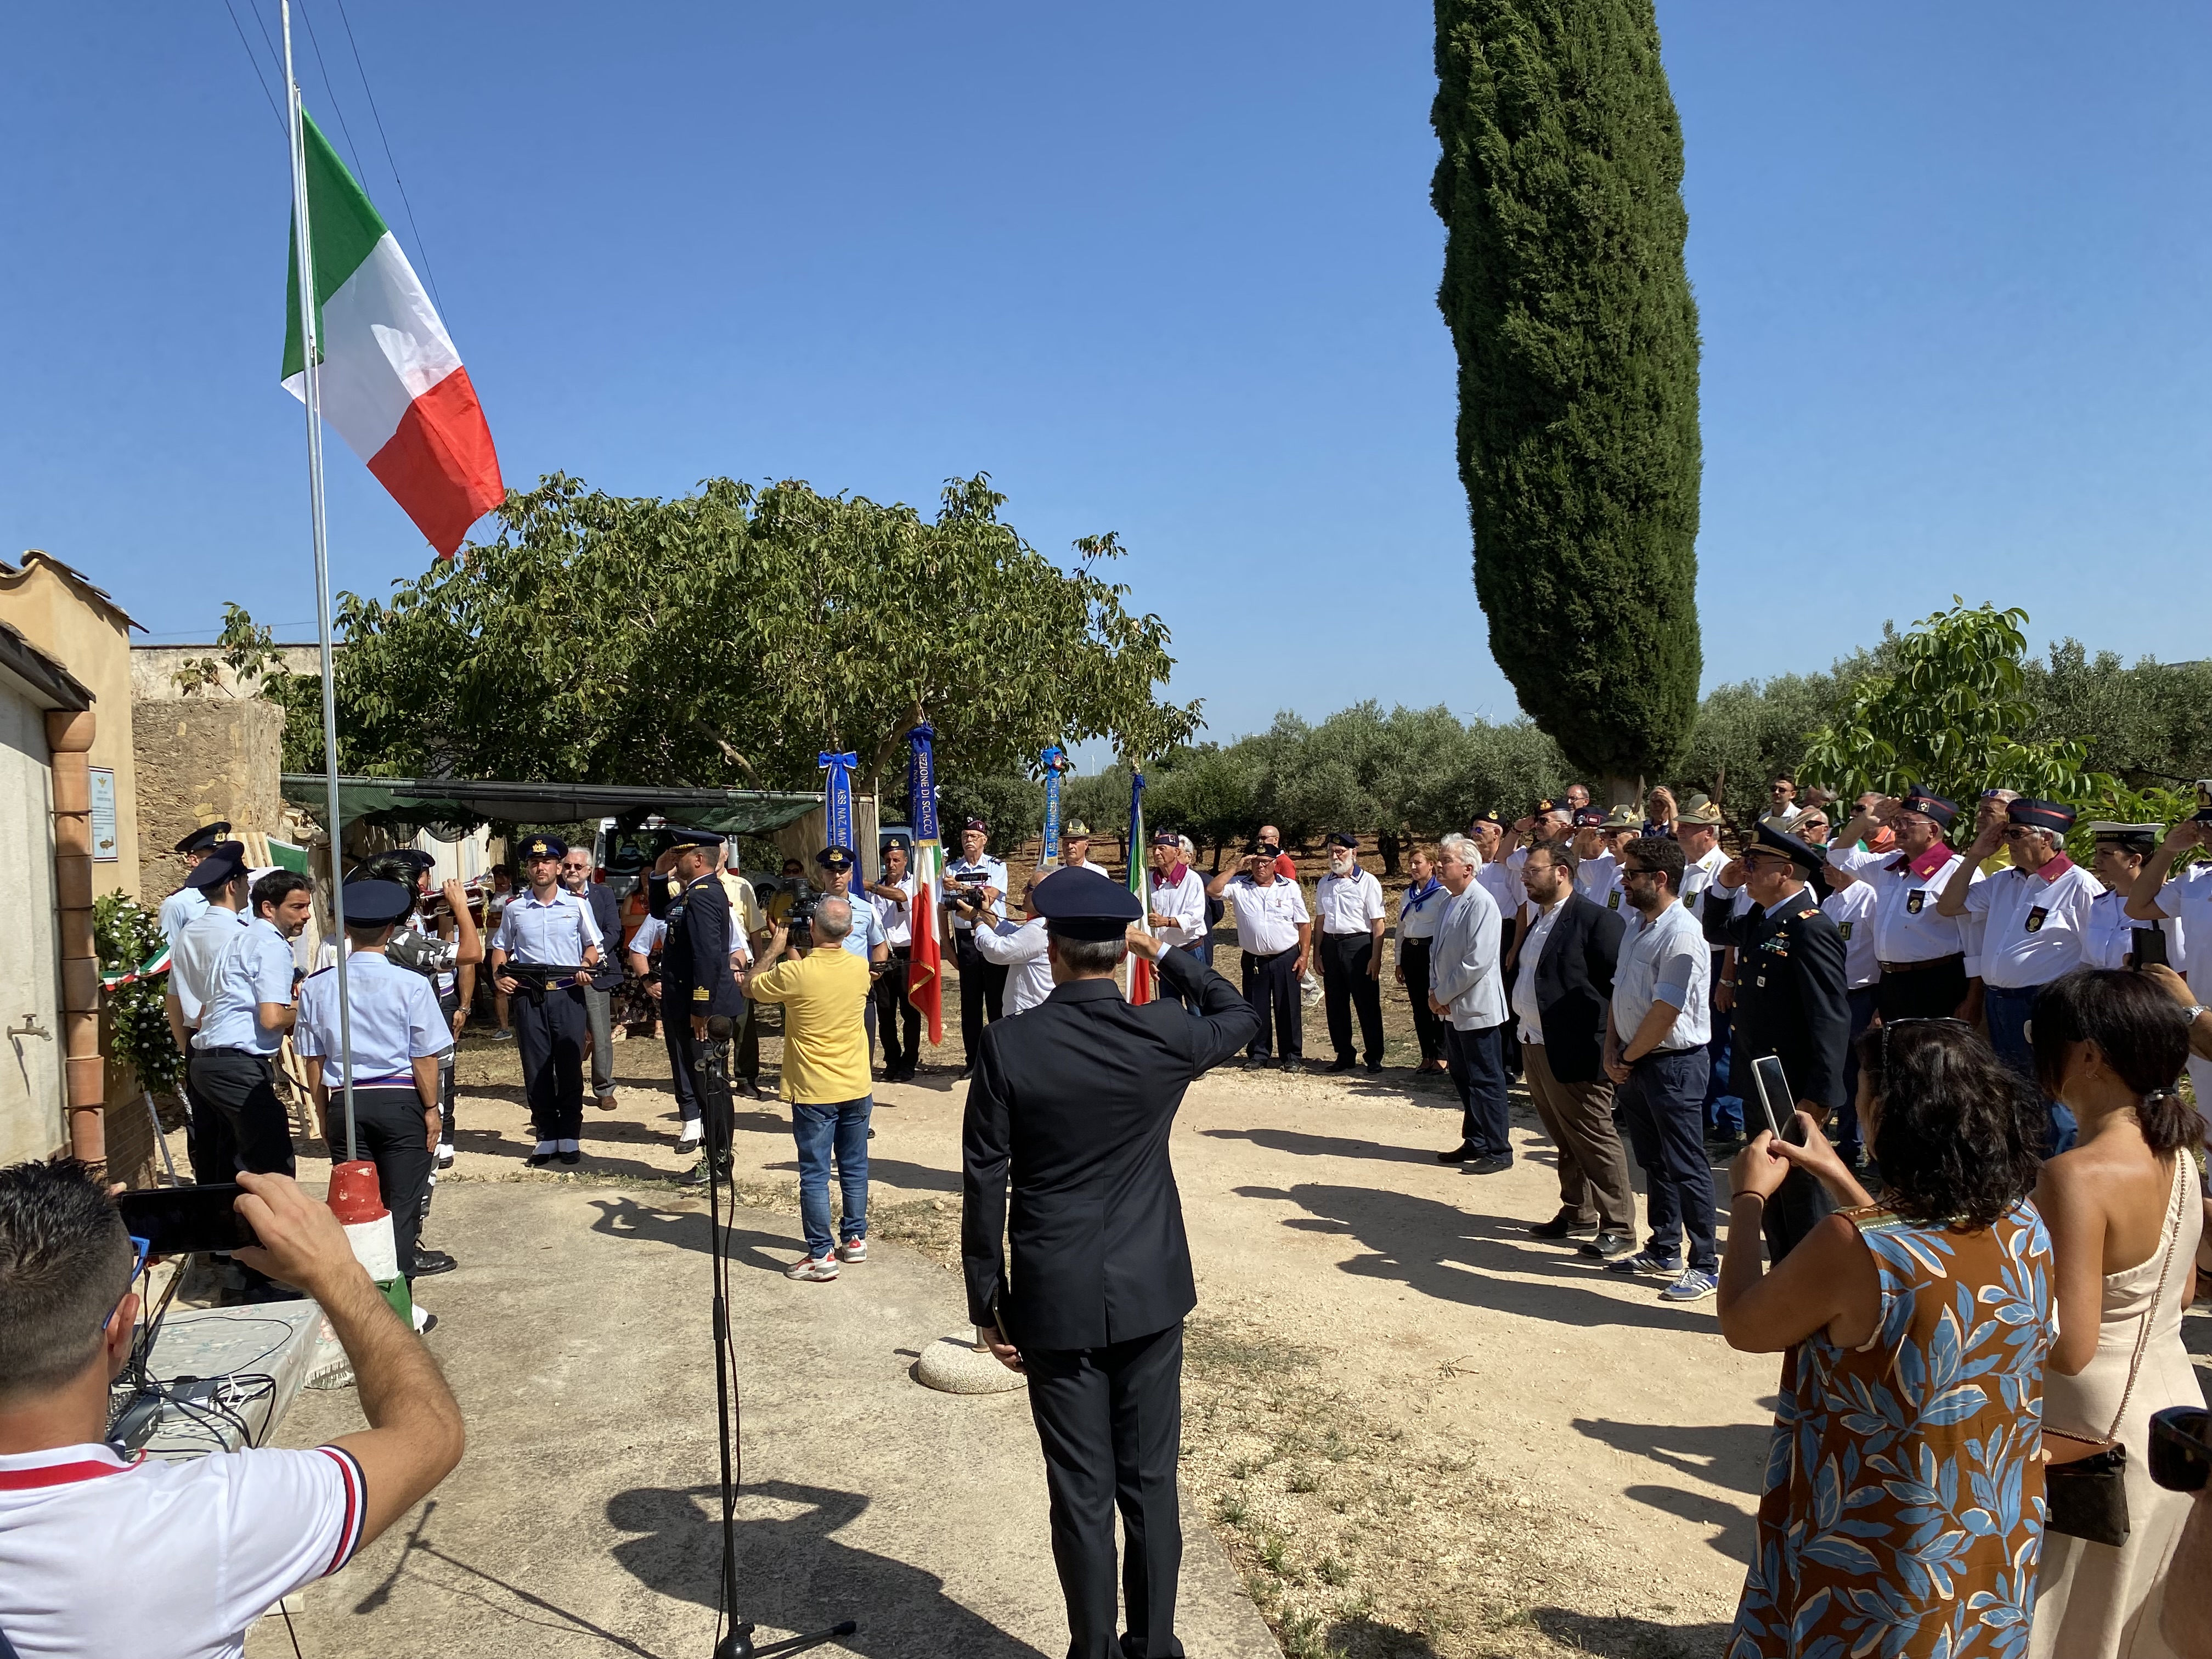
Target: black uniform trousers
column 1508, row 1045
column 1347, row 985
column 549, row 1029
column 208, row 1143
column 1933, row 992
column 898, row 1022
column 240, row 1088
column 982, row 990
column 705, row 1100
column 1476, row 1061
column 1110, row 1421
column 388, row 1128
column 1846, row 1133
column 1413, row 958
column 1271, row 987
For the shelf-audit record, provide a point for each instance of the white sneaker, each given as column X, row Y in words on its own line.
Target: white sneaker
column 445, row 1154
column 693, row 1132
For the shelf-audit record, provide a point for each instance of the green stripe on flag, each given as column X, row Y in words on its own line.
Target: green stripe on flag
column 345, row 227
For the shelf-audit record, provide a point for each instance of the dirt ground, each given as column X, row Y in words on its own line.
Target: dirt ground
column 1417, row 1430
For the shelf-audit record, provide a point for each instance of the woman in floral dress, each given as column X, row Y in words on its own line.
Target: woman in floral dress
column 1903, row 1509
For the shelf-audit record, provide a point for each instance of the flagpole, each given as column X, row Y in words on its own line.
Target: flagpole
column 309, row 317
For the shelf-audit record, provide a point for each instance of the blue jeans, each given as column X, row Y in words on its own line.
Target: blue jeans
column 1658, row 1107
column 841, row 1128
column 1723, row 1105
column 2008, row 1008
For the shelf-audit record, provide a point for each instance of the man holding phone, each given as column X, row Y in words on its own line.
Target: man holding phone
column 1792, row 1005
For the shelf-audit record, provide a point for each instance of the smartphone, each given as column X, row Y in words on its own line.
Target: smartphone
column 178, row 1220
column 1781, row 1106
column 2149, row 946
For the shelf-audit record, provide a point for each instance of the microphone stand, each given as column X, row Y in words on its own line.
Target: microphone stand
column 710, row 1064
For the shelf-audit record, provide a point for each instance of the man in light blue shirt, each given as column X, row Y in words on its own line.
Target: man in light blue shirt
column 219, row 879
column 1654, row 1053
column 248, row 1009
column 397, row 1032
column 548, row 926
column 184, row 906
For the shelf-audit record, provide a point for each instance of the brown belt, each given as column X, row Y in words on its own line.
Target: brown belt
column 1916, row 967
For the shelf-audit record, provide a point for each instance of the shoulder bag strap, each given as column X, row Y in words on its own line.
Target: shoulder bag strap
column 2181, row 1162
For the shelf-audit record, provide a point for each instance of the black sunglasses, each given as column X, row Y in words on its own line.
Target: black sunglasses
column 1889, row 1025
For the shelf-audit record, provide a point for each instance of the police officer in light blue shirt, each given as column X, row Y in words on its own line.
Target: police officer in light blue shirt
column 219, row 879
column 546, row 926
column 248, row 1009
column 867, row 939
column 396, row 1031
column 181, row 906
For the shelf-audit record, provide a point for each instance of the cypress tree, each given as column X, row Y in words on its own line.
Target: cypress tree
column 1564, row 286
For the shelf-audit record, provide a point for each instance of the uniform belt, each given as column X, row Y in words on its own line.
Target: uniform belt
column 1915, row 966
column 395, row 1081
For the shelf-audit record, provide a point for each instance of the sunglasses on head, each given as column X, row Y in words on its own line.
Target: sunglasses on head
column 1889, row 1025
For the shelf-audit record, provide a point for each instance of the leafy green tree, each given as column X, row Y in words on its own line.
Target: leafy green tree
column 729, row 636
column 1570, row 307
column 1749, row 733
column 2149, row 725
column 1506, row 767
column 1207, row 792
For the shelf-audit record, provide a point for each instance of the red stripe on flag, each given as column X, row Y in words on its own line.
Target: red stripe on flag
column 440, row 465
column 925, row 973
column 1141, row 974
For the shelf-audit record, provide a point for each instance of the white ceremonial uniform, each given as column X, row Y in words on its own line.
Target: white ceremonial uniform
column 1266, row 917
column 1700, row 872
column 209, row 1544
column 1907, row 927
column 1020, row 948
column 1502, row 881
column 1183, row 900
column 1852, row 911
column 180, row 909
column 2034, row 927
column 1464, row 961
column 986, row 872
column 1349, row 904
column 1596, row 877
column 2111, row 934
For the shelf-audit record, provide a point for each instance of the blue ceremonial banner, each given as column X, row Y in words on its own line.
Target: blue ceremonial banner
column 838, row 798
column 1054, row 763
column 921, row 784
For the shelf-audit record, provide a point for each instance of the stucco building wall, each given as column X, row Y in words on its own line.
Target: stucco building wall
column 30, row 1065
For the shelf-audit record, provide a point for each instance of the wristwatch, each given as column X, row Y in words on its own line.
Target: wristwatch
column 2193, row 1014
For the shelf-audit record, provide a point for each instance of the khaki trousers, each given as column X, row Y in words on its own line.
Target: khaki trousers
column 1593, row 1164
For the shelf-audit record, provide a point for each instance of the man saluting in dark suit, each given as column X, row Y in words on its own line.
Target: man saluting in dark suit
column 1073, row 1101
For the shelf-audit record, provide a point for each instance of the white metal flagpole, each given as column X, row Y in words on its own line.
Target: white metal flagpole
column 311, row 346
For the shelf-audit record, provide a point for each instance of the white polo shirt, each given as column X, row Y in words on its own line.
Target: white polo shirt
column 101, row 1559
column 1502, row 880
column 1595, row 877
column 1266, row 917
column 1852, row 907
column 2111, row 935
column 2034, row 927
column 1349, row 904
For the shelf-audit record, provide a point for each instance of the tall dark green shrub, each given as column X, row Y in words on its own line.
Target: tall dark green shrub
column 1561, row 184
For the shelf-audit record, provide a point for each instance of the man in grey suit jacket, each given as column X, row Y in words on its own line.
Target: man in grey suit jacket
column 1466, row 990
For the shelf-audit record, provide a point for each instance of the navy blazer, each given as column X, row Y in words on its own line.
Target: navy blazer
column 1070, row 1103
column 1574, row 987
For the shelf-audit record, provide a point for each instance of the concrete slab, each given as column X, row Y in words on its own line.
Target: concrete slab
column 584, row 1518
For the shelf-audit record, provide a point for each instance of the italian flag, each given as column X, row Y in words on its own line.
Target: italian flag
column 1142, row 977
column 925, row 973
column 390, row 382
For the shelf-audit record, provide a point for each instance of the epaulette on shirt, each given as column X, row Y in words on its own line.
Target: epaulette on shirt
column 1814, row 911
column 319, row 972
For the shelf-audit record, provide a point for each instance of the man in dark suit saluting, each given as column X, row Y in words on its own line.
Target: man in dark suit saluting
column 1073, row 1101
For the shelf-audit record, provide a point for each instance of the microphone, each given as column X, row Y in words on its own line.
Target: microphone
column 719, row 1028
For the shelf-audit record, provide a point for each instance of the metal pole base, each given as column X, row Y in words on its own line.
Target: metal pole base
column 738, row 1644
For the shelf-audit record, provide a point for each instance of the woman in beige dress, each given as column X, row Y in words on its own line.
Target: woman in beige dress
column 2125, row 1218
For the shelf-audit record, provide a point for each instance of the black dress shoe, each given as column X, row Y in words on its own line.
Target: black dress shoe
column 1336, row 1065
column 1374, row 1066
column 1466, row 1152
column 1256, row 1065
column 961, row 1076
column 1561, row 1227
column 427, row 1262
column 576, row 1156
column 1292, row 1065
column 538, row 1160
column 1495, row 1163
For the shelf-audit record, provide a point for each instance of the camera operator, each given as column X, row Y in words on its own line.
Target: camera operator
column 823, row 991
column 1019, row 948
column 205, row 1547
column 975, row 891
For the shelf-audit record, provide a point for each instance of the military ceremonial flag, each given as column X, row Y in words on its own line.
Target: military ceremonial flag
column 390, row 382
column 1142, row 972
column 837, row 803
column 925, row 975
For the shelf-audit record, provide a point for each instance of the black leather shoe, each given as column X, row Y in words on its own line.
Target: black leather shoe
column 1609, row 1247
column 1561, row 1227
column 427, row 1262
column 1493, row 1165
column 1292, row 1065
column 1257, row 1065
column 1374, row 1066
column 576, row 1156
column 1336, row 1065
column 1466, row 1152
column 538, row 1160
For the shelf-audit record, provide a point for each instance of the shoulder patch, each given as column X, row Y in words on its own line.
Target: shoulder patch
column 1801, row 914
column 319, row 972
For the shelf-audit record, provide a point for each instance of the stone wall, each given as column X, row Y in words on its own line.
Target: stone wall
column 200, row 759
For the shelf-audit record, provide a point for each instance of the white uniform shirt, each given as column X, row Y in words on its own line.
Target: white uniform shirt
column 2188, row 899
column 1907, row 927
column 1266, row 917
column 1852, row 911
column 1596, row 877
column 1349, row 904
column 1183, row 900
column 1502, row 881
column 1464, row 961
column 1419, row 912
column 2111, row 934
column 394, row 1020
column 1700, row 872
column 2034, row 927
column 895, row 914
column 986, row 872
column 195, row 953
column 1020, row 948
column 205, row 1546
column 1525, row 1008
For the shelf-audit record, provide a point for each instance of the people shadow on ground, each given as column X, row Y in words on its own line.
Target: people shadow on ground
column 1440, row 1250
column 1730, row 1454
column 626, row 1218
column 795, row 1574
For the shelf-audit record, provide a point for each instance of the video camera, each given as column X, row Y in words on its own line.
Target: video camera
column 799, row 921
column 965, row 893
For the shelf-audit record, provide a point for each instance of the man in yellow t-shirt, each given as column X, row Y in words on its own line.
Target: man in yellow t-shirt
column 823, row 990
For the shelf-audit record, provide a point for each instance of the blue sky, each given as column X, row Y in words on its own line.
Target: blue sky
column 1167, row 270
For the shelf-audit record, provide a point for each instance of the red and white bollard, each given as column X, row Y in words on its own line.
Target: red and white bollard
column 358, row 1204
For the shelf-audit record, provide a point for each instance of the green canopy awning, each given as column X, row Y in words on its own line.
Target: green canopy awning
column 413, row 803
